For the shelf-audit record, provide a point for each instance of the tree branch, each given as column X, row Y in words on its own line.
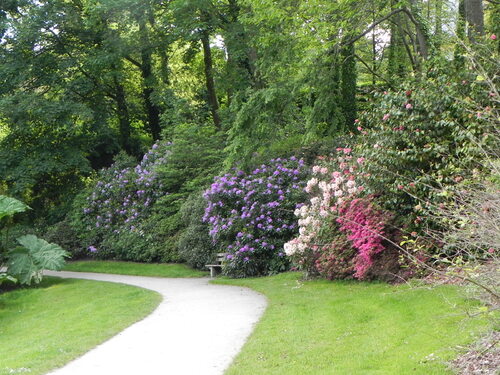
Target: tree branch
column 375, row 24
column 372, row 71
column 133, row 61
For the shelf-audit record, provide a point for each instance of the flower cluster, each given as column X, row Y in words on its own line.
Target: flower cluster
column 122, row 197
column 365, row 228
column 328, row 189
column 250, row 215
column 338, row 232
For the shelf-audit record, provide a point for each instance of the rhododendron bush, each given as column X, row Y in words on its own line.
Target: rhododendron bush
column 420, row 142
column 250, row 215
column 340, row 230
column 117, row 205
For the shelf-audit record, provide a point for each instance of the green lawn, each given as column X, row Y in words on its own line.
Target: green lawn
column 135, row 269
column 350, row 328
column 45, row 327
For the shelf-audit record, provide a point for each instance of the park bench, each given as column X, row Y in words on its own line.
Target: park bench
column 217, row 266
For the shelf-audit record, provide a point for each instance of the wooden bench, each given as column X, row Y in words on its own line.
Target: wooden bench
column 217, row 264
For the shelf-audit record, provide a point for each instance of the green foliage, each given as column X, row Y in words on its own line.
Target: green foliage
column 348, row 85
column 420, row 141
column 66, row 235
column 25, row 263
column 132, row 212
column 196, row 247
column 10, row 206
column 264, row 118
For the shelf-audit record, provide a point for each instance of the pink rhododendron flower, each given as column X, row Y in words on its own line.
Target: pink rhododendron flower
column 408, row 106
column 386, row 117
column 493, row 37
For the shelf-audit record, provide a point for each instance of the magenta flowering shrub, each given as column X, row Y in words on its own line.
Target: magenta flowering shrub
column 119, row 202
column 340, row 232
column 364, row 226
column 250, row 215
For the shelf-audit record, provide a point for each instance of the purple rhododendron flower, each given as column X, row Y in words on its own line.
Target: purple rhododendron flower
column 265, row 195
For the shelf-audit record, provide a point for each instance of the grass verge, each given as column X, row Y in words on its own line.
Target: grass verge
column 344, row 328
column 134, row 269
column 45, row 327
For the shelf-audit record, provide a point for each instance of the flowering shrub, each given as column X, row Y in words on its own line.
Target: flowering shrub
column 365, row 228
column 339, row 232
column 119, row 202
column 133, row 212
column 420, row 141
column 250, row 215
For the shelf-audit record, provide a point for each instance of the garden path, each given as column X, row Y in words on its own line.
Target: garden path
column 197, row 329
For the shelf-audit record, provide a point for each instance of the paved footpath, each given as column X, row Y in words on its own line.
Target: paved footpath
column 197, row 329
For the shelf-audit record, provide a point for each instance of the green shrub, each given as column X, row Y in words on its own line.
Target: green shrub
column 419, row 141
column 196, row 247
column 64, row 234
column 131, row 212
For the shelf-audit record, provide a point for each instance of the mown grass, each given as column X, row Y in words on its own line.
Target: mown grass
column 350, row 328
column 134, row 269
column 45, row 327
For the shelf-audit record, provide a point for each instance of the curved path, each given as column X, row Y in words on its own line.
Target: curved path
column 197, row 329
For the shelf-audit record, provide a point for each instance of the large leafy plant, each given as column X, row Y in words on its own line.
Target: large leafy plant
column 25, row 262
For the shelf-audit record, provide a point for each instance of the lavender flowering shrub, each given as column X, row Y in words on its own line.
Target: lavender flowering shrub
column 251, row 215
column 117, row 205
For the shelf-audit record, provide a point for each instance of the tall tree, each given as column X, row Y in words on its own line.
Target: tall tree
column 209, row 77
column 474, row 16
column 348, row 84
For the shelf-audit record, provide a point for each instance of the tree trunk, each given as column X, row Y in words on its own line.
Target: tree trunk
column 209, row 78
column 438, row 31
column 152, row 110
column 123, row 117
column 238, row 59
column 396, row 66
column 374, row 51
column 420, row 29
column 348, row 85
column 474, row 17
column 459, row 51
